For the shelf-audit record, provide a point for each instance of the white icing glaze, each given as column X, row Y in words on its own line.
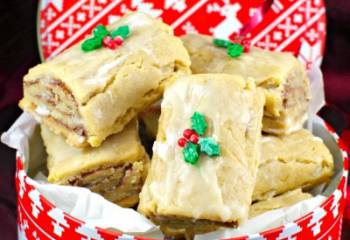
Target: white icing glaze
column 102, row 75
column 81, row 139
column 42, row 110
column 292, row 126
column 295, row 125
column 98, row 113
column 267, row 139
column 103, row 70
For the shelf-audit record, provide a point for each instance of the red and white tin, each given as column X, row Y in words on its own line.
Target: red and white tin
column 285, row 25
column 297, row 26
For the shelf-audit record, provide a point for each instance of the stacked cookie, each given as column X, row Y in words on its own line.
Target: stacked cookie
column 229, row 134
column 87, row 102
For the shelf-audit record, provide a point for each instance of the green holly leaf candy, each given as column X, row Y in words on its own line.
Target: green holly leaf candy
column 209, row 146
column 122, row 31
column 100, row 31
column 235, row 50
column 198, row 123
column 221, row 43
column 191, row 153
column 91, row 44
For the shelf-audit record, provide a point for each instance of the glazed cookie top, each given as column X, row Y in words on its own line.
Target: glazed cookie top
column 87, row 74
column 266, row 67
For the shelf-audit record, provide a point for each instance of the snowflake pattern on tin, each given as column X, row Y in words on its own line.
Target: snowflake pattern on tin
column 293, row 26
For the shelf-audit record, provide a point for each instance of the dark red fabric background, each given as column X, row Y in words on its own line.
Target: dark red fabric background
column 18, row 52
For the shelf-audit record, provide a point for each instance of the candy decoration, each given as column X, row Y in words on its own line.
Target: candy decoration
column 91, row 44
column 119, row 40
column 109, row 42
column 234, row 48
column 198, row 123
column 209, row 146
column 182, row 142
column 122, row 31
column 190, row 153
column 246, row 45
column 188, row 133
column 221, row 43
column 193, row 144
column 103, row 38
column 194, row 138
column 100, row 31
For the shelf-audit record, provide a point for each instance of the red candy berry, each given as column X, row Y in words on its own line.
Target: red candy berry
column 118, row 40
column 194, row 138
column 236, row 41
column 234, row 36
column 187, row 133
column 182, row 142
column 108, row 42
column 246, row 45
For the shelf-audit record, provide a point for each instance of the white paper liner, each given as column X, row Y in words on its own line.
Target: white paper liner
column 93, row 209
column 317, row 93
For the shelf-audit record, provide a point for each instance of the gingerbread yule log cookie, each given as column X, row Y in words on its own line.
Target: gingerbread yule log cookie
column 284, row 200
column 281, row 75
column 205, row 157
column 292, row 161
column 116, row 169
column 96, row 87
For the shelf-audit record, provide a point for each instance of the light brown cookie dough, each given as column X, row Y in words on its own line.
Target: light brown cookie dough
column 87, row 96
column 116, row 170
column 281, row 76
column 290, row 162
